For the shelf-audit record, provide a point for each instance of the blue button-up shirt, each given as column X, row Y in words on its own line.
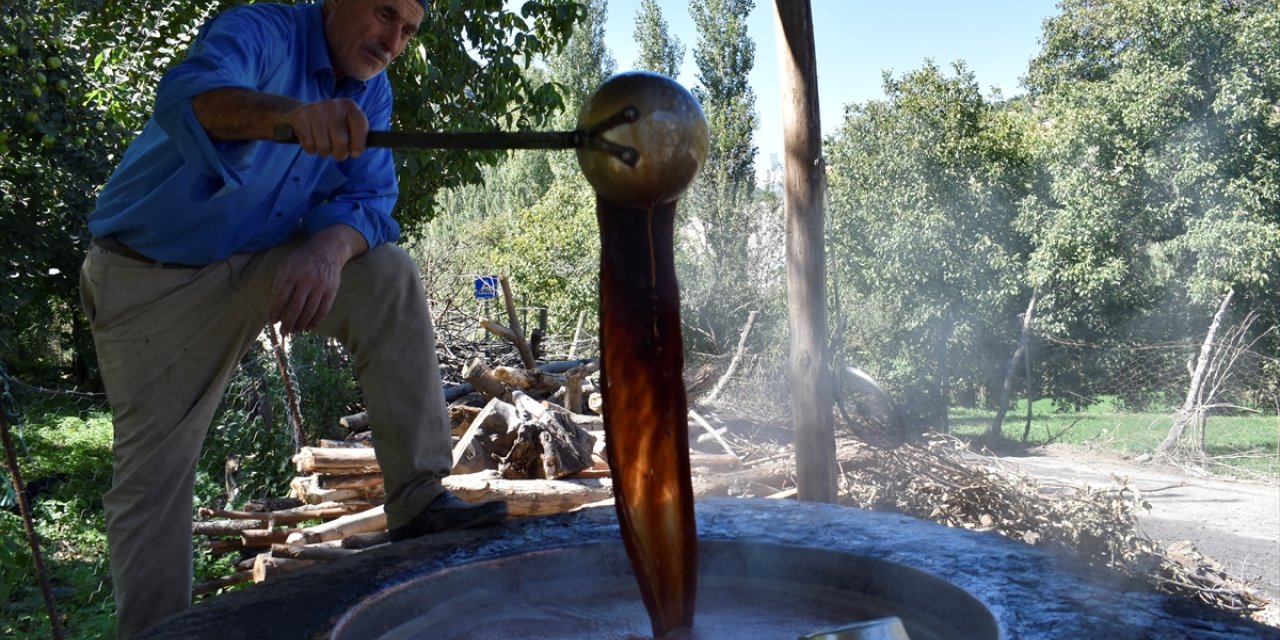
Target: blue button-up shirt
column 180, row 197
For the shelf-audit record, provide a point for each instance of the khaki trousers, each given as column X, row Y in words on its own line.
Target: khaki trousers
column 168, row 341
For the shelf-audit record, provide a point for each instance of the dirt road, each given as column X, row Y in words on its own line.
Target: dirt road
column 1236, row 523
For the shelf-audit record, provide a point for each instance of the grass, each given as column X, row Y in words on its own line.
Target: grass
column 68, row 519
column 1235, row 445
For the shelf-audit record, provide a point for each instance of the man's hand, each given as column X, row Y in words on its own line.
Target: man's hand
column 306, row 285
column 336, row 128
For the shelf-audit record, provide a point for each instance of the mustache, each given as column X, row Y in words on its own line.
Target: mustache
column 377, row 50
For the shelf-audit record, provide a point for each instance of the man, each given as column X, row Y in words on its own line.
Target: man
column 207, row 231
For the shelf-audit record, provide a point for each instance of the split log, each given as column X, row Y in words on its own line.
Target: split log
column 267, row 567
column 490, row 435
column 547, row 444
column 347, row 461
column 530, row 497
column 364, row 522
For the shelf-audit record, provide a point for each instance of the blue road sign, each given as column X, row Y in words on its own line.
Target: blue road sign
column 486, row 287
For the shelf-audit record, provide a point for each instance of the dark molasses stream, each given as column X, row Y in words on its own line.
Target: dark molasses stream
column 642, row 355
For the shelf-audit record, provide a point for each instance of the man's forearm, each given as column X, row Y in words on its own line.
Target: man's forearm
column 240, row 114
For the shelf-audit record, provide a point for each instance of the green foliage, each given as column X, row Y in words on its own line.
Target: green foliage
column 721, row 212
column 1161, row 141
column 466, row 71
column 62, row 440
column 924, row 188
column 660, row 51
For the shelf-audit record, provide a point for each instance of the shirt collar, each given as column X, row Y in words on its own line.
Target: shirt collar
column 318, row 62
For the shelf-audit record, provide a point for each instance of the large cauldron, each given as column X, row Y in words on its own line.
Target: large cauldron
column 768, row 569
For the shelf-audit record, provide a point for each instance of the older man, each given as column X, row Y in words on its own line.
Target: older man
column 207, row 232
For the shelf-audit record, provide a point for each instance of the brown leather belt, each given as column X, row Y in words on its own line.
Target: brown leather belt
column 112, row 245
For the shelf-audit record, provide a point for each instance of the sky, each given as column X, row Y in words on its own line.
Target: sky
column 856, row 41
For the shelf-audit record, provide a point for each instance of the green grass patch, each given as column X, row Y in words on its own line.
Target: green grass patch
column 75, row 444
column 1238, row 444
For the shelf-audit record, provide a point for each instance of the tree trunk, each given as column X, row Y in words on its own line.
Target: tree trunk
column 811, row 389
column 1190, row 407
column 998, row 423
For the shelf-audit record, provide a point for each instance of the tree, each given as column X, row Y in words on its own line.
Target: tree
column 719, row 208
column 1161, row 144
column 924, row 188
column 660, row 52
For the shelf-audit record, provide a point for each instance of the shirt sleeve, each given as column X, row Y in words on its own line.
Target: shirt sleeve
column 234, row 50
column 366, row 199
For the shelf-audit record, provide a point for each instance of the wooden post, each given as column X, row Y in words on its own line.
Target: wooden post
column 805, row 183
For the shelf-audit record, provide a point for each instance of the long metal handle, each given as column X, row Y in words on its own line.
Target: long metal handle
column 492, row 140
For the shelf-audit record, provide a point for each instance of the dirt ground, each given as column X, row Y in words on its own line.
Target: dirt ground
column 1235, row 522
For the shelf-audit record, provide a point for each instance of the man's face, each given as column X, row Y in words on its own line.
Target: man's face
column 366, row 35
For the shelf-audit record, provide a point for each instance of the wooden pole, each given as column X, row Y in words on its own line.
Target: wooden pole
column 804, row 186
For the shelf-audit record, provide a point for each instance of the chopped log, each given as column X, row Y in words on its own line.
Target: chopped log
column 349, row 461
column 362, row 481
column 785, row 494
column 529, row 497
column 217, row 584
column 320, row 552
column 573, row 391
column 308, row 490
column 491, row 434
column 267, row 567
column 478, row 374
column 225, row 527
column 372, row 520
column 364, row 540
column 547, row 445
column 355, row 422
column 264, row 538
column 542, row 382
column 325, row 511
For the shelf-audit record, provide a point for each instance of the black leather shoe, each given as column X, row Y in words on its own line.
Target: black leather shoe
column 449, row 512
